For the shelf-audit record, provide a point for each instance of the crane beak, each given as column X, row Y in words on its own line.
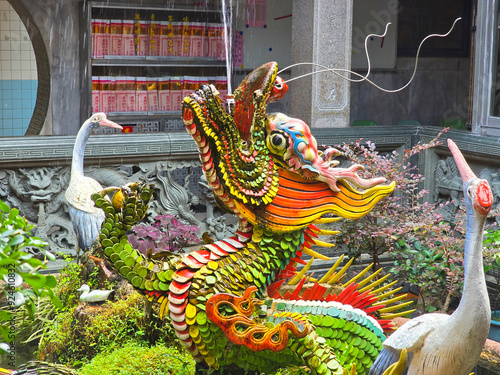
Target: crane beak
column 105, row 122
column 483, row 197
column 462, row 165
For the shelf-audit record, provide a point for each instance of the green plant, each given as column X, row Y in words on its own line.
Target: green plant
column 78, row 334
column 394, row 217
column 95, row 281
column 433, row 260
column 491, row 249
column 432, row 257
column 32, row 327
column 19, row 269
column 491, row 243
column 136, row 359
column 492, row 238
column 68, row 281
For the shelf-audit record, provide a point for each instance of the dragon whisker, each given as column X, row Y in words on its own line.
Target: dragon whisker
column 338, row 71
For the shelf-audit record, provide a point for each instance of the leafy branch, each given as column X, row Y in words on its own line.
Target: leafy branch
column 21, row 283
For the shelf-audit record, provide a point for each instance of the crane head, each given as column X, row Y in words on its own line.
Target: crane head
column 100, row 119
column 478, row 190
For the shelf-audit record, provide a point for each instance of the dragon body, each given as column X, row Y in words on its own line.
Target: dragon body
column 224, row 300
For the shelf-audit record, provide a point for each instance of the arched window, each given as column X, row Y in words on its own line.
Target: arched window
column 23, row 105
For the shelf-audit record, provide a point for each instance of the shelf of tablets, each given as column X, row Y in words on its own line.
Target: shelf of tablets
column 145, row 63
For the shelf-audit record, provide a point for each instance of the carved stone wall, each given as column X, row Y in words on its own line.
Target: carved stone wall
column 34, row 173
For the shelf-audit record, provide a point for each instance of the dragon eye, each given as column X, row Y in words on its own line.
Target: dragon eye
column 278, row 140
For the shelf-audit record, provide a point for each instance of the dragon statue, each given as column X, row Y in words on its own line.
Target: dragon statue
column 225, row 301
column 228, row 301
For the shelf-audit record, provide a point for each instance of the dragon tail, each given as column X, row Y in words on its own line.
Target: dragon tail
column 127, row 207
column 350, row 316
column 40, row 368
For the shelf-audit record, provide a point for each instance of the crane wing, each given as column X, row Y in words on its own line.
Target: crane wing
column 79, row 194
column 86, row 225
column 411, row 335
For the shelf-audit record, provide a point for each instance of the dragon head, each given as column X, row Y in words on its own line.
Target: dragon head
column 266, row 168
column 295, row 148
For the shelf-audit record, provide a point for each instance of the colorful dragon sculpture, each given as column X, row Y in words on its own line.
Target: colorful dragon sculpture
column 224, row 300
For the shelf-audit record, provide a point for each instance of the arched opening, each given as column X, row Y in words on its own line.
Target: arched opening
column 25, row 75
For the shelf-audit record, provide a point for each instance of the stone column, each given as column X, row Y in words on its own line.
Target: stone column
column 321, row 33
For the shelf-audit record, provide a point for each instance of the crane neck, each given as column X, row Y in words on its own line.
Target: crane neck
column 79, row 148
column 475, row 298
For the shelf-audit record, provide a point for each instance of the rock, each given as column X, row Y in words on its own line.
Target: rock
column 123, row 289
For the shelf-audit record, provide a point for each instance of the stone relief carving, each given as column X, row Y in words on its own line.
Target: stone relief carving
column 448, row 187
column 191, row 203
column 27, row 188
column 38, row 193
column 216, row 225
column 181, row 190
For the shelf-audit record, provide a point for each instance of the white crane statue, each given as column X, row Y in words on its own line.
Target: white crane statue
column 85, row 216
column 441, row 344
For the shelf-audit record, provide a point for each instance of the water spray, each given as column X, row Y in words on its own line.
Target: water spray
column 228, row 49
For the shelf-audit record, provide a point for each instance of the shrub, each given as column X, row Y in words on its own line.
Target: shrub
column 80, row 333
column 23, row 284
column 432, row 258
column 426, row 250
column 491, row 245
column 394, row 217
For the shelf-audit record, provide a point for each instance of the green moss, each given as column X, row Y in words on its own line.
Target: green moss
column 134, row 359
column 80, row 333
column 69, row 280
column 294, row 370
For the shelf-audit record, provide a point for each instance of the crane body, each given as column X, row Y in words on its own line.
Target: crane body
column 441, row 344
column 85, row 216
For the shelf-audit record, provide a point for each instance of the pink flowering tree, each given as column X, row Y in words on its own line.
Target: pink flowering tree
column 423, row 249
